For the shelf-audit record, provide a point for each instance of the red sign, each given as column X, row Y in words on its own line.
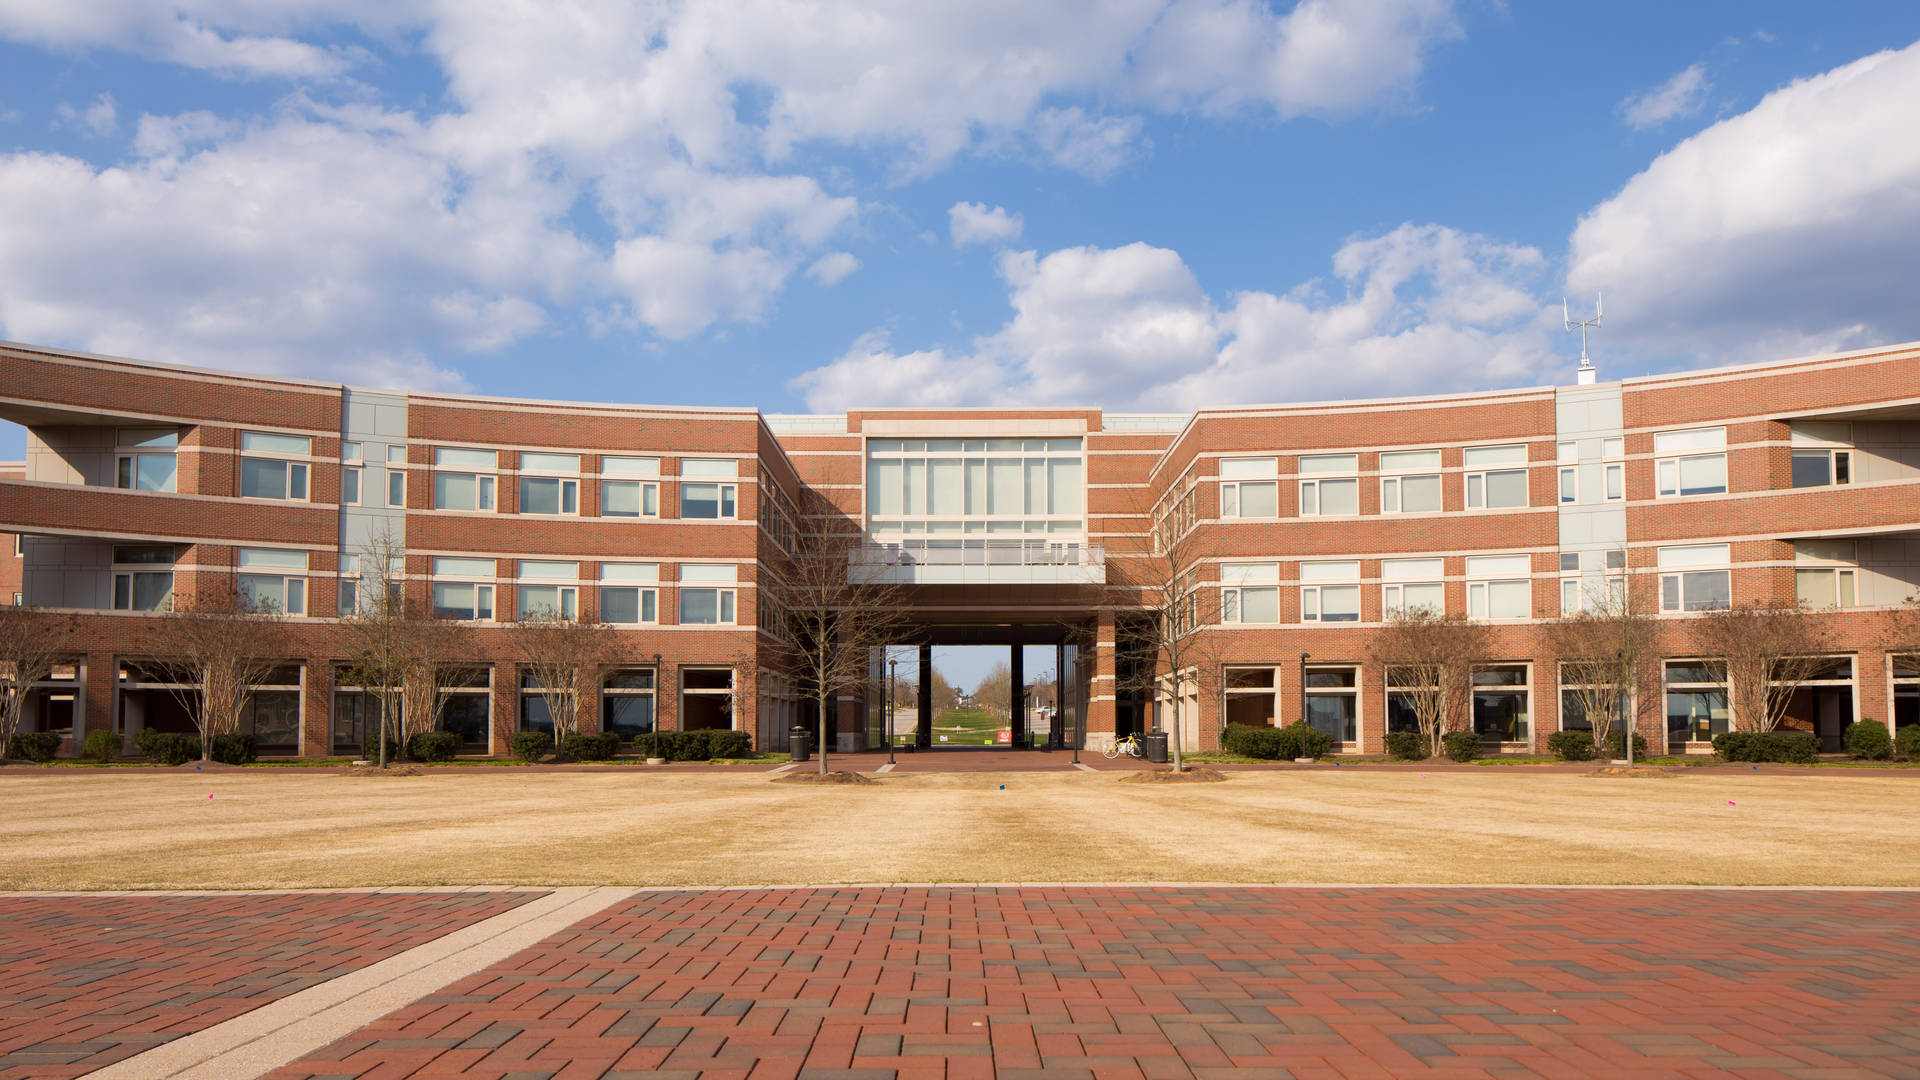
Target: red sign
column 1005, row 736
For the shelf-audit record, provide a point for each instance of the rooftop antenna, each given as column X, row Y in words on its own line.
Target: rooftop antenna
column 1587, row 373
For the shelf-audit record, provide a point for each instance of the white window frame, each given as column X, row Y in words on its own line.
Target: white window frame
column 276, row 565
column 1843, row 586
column 1394, row 475
column 1569, row 489
column 1613, row 469
column 1339, row 577
column 1238, row 581
column 1239, row 473
column 1504, row 574
column 542, row 467
column 541, row 575
column 471, row 573
column 1672, row 450
column 722, row 580
column 1316, row 471
column 641, row 474
column 128, row 571
column 1684, row 564
column 1838, row 461
column 131, row 447
column 448, row 463
column 721, row 474
column 297, row 465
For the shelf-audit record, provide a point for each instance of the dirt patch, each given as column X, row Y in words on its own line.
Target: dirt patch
column 825, row 778
column 391, row 770
column 1650, row 771
column 1169, row 776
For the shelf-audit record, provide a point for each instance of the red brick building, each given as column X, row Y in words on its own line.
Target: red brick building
column 1304, row 527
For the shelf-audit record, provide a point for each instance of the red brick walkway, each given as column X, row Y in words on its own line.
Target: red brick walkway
column 1182, row 982
column 88, row 980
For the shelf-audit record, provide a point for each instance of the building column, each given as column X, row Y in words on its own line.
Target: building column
column 925, row 737
column 98, row 676
column 316, row 708
column 1017, row 692
column 504, row 709
column 1103, row 694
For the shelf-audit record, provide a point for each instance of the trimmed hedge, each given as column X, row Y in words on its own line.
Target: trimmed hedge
column 1571, row 745
column 433, row 745
column 1302, row 740
column 1868, row 740
column 370, row 745
column 582, row 747
column 167, row 747
column 1406, row 745
column 36, row 746
column 694, row 745
column 530, row 745
column 1297, row 740
column 1791, row 747
column 1639, row 745
column 100, row 746
column 234, row 748
column 1461, row 745
column 1906, row 742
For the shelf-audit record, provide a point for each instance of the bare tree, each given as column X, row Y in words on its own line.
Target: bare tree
column 1608, row 655
column 215, row 650
column 31, row 643
column 994, row 693
column 564, row 658
column 1169, row 643
column 1770, row 650
column 1428, row 659
column 832, row 604
column 396, row 646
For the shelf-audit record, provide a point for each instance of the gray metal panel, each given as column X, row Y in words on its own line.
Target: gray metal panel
column 376, row 419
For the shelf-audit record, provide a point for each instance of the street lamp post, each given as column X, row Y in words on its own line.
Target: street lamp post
column 1303, row 686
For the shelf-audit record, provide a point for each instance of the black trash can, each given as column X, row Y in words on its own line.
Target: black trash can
column 1156, row 746
column 800, row 743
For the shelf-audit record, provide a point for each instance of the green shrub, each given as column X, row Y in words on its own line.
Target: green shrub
column 728, row 744
column 1461, row 745
column 433, row 745
column 1571, row 745
column 396, row 748
column 1250, row 741
column 100, row 746
column 40, row 746
column 1906, row 742
column 167, row 747
column 1639, row 745
column 582, row 747
column 1302, row 740
column 1868, row 740
column 234, row 748
column 694, row 745
column 530, row 745
column 1406, row 745
column 1792, row 747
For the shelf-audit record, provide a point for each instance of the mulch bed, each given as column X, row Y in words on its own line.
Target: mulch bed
column 825, row 778
column 1197, row 775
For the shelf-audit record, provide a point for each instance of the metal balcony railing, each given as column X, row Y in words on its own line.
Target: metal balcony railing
column 978, row 552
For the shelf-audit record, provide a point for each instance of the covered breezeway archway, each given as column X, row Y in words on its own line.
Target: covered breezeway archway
column 1041, row 706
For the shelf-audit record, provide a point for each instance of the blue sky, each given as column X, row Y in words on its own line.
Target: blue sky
column 1138, row 204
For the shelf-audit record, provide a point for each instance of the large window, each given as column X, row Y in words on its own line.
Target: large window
column 1501, row 700
column 1490, row 487
column 1412, row 584
column 702, row 602
column 1824, row 573
column 1328, row 486
column 1695, row 578
column 706, row 699
column 549, row 483
column 463, row 588
column 273, row 466
column 981, row 487
column 1906, row 690
column 145, row 459
column 1692, row 462
column 623, row 497
column 627, row 702
column 1576, row 690
column 467, row 709
column 1696, row 702
column 274, row 580
column 272, row 715
column 1249, row 593
column 629, row 592
column 1333, row 701
column 143, row 577
column 1329, row 592
column 1822, row 453
column 1402, row 686
column 1499, row 586
column 700, row 498
column 548, row 590
column 1248, row 488
column 1409, row 481
column 463, row 479
column 1249, row 693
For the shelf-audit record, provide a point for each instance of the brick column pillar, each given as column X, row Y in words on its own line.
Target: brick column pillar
column 666, row 697
column 505, row 707
column 316, row 708
column 1103, row 687
column 99, row 672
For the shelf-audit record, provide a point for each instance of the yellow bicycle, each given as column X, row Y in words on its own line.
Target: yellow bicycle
column 1130, row 745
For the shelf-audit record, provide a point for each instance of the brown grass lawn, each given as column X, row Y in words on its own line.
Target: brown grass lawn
column 149, row 829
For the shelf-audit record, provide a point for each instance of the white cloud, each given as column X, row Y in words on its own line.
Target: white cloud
column 1094, row 146
column 1421, row 308
column 833, row 267
column 1784, row 230
column 244, row 38
column 1679, row 96
column 101, row 118
column 978, row 223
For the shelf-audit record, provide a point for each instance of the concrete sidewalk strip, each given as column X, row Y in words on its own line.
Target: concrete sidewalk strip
column 256, row 1043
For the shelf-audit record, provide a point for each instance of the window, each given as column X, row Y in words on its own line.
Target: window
column 535, row 715
column 264, row 583
column 1405, row 688
column 470, row 599
column 357, row 595
column 1828, row 586
column 556, row 494
column 541, row 600
column 1249, row 593
column 1605, row 594
column 463, row 490
column 468, row 708
column 627, row 702
column 1325, row 602
column 1569, row 484
column 629, row 593
column 1501, row 698
column 1906, row 690
column 976, row 486
column 704, row 500
column 273, row 477
column 1329, row 495
column 1492, row 489
column 1820, row 468
column 706, row 699
column 1244, row 498
column 396, row 476
column 143, row 577
column 1683, row 588
column 1580, row 686
column 1681, row 473
column 1696, row 701
column 145, row 459
column 350, row 485
column 1499, row 586
column 1414, row 486
column 629, row 498
column 1249, row 693
column 1333, row 701
column 1412, row 585
column 1614, row 451
column 702, row 605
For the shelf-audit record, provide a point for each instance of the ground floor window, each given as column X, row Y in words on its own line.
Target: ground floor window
column 54, row 701
column 1402, row 715
column 1906, row 691
column 1501, row 697
column 1249, row 693
column 627, row 702
column 1696, row 701
column 467, row 710
column 1823, row 703
column 272, row 716
column 534, row 713
column 1333, row 701
column 356, row 714
column 1578, row 695
column 706, row 699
